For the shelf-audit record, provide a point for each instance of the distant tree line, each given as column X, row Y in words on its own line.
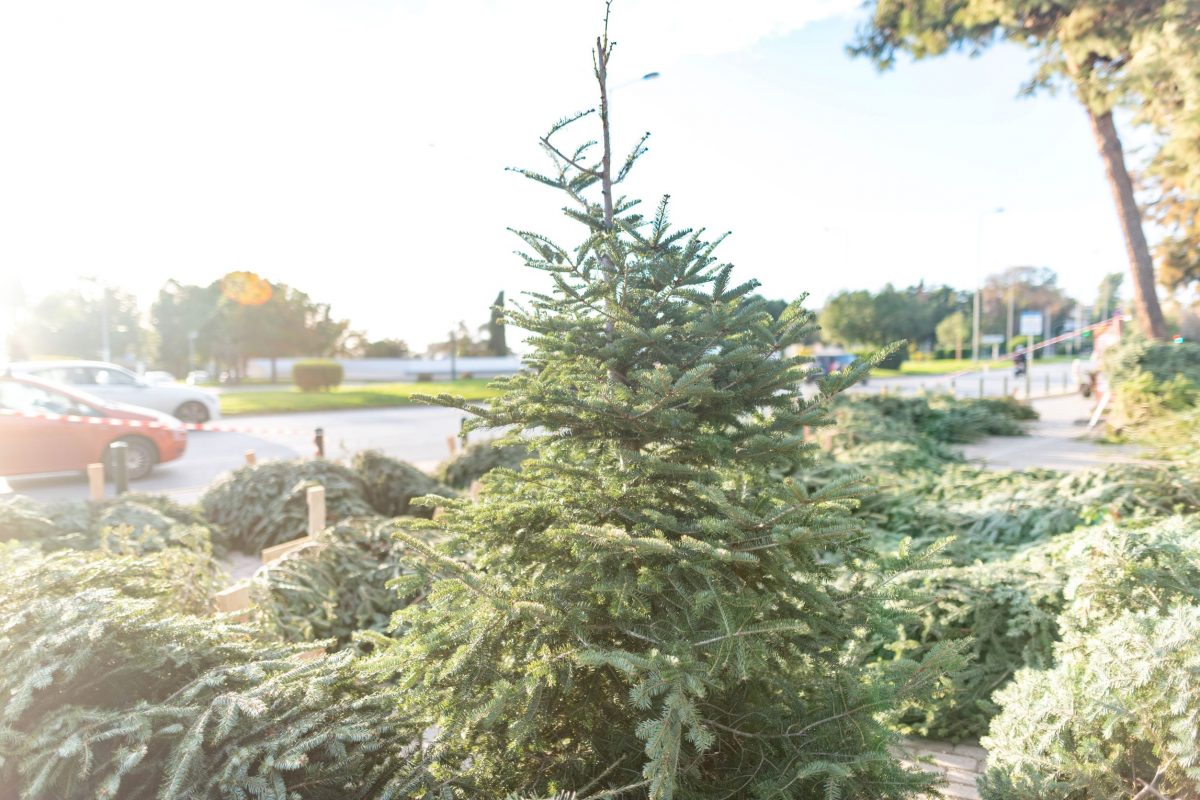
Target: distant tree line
column 222, row 324
column 941, row 317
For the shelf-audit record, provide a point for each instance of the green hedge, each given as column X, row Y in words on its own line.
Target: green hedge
column 314, row 375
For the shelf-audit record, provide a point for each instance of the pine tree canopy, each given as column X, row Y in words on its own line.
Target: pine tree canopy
column 648, row 608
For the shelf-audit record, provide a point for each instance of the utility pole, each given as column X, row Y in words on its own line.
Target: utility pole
column 105, row 344
column 978, row 309
column 975, row 326
column 191, row 362
column 1012, row 302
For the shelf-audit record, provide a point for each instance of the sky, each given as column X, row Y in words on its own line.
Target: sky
column 356, row 149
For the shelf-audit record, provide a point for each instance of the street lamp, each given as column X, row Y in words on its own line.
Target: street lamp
column 105, row 347
column 978, row 310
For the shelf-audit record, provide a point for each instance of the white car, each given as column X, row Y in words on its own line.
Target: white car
column 118, row 385
column 158, row 378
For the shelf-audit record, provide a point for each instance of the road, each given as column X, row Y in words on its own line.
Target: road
column 1044, row 380
column 414, row 433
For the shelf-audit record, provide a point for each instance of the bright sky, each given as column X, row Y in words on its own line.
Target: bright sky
column 356, row 148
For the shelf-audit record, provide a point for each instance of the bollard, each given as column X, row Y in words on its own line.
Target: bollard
column 953, row 387
column 1065, row 387
column 1006, row 386
column 251, row 458
column 95, row 475
column 319, row 442
column 981, row 388
column 452, row 445
column 1047, row 384
column 316, row 509
column 119, row 452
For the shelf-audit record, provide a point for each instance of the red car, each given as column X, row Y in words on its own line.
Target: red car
column 47, row 427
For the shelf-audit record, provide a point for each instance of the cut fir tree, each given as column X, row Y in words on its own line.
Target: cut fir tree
column 646, row 609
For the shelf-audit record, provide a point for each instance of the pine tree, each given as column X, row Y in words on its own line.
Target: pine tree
column 647, row 609
column 497, row 344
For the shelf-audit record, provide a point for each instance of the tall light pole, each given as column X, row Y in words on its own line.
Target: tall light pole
column 105, row 345
column 978, row 310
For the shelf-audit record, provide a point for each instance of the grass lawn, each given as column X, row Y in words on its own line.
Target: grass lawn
column 944, row 366
column 278, row 401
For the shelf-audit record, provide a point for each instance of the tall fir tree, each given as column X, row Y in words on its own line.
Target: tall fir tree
column 648, row 608
column 497, row 344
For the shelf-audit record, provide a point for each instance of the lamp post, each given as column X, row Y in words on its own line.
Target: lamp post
column 978, row 310
column 105, row 345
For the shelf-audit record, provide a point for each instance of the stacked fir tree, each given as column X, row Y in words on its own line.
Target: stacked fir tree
column 647, row 609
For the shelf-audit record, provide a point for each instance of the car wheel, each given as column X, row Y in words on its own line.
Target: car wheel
column 140, row 457
column 193, row 412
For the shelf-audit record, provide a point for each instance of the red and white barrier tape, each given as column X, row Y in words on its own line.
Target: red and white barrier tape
column 1062, row 337
column 139, row 423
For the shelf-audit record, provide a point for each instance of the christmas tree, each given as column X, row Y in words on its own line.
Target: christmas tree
column 648, row 608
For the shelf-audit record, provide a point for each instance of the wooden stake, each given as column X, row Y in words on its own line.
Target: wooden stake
column 316, row 510
column 452, row 445
column 251, row 458
column 95, row 475
column 234, row 599
column 278, row 551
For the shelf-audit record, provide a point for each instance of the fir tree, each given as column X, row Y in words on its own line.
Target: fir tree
column 646, row 609
column 497, row 344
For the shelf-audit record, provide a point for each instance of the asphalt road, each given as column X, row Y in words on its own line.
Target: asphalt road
column 414, row 433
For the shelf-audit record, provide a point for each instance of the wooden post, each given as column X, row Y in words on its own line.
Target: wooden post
column 316, row 510
column 1005, row 386
column 233, row 600
column 981, row 380
column 119, row 451
column 278, row 551
column 251, row 458
column 1047, row 384
column 95, row 475
column 452, row 445
column 319, row 442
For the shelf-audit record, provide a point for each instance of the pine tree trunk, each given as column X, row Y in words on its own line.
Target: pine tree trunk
column 1141, row 267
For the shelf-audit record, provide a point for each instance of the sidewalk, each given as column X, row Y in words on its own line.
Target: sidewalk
column 1057, row 440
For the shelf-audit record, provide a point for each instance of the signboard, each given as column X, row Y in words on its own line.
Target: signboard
column 1031, row 323
column 992, row 338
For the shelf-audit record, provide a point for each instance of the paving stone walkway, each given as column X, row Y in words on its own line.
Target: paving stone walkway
column 960, row 764
column 1059, row 439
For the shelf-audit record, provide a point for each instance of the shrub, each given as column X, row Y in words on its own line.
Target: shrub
column 477, row 460
column 257, row 506
column 313, row 375
column 180, row 579
column 24, row 519
column 917, row 431
column 112, row 696
column 144, row 524
column 1005, row 610
column 1014, row 609
column 356, row 578
column 1116, row 717
column 390, row 485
